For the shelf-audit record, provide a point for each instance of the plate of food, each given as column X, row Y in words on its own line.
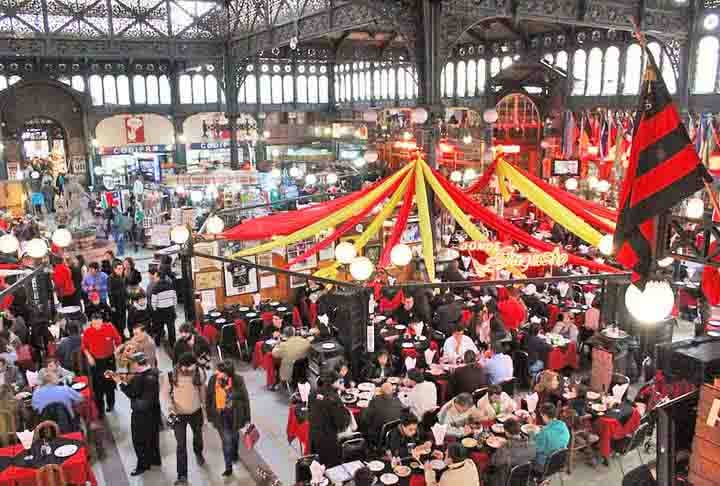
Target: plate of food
column 328, row 345
column 215, row 314
column 348, row 398
column 415, row 465
column 400, row 327
column 389, row 478
column 243, row 309
column 495, row 442
column 469, row 442
column 530, row 429
column 599, row 407
column 498, row 428
column 66, row 450
column 402, row 471
column 379, row 318
column 282, row 309
column 274, row 303
column 437, row 464
column 421, row 338
column 436, row 370
column 407, row 345
column 78, row 386
column 220, row 320
column 366, row 395
column 376, row 466
column 363, row 403
column 394, row 380
column 503, row 417
column 366, row 387
column 522, row 413
column 251, row 314
column 591, row 395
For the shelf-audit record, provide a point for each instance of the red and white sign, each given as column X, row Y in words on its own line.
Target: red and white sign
column 134, row 129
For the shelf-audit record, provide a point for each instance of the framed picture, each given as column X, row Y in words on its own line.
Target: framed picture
column 240, row 279
column 296, row 281
column 209, row 248
column 208, row 280
column 411, row 234
column 373, row 252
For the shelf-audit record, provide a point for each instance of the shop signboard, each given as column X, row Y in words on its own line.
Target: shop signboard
column 135, row 149
column 134, row 129
column 210, row 145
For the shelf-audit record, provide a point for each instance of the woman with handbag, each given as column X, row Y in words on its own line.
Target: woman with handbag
column 228, row 409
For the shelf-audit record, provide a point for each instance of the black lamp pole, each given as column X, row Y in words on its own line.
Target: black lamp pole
column 188, row 290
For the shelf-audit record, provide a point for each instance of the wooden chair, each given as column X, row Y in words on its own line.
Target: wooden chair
column 50, row 475
column 45, row 427
column 8, row 427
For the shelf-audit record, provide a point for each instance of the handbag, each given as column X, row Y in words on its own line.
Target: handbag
column 251, row 436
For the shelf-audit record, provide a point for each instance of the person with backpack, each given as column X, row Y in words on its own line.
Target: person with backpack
column 184, row 391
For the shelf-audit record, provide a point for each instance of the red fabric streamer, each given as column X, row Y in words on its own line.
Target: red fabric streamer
column 400, row 224
column 482, row 182
column 504, row 228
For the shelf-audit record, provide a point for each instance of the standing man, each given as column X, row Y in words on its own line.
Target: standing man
column 96, row 281
column 143, row 390
column 228, row 409
column 118, row 297
column 164, row 300
column 184, row 393
column 98, row 343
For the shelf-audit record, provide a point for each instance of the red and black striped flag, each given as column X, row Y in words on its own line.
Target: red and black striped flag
column 663, row 170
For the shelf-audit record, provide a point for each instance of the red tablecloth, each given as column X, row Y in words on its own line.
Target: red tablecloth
column 241, row 329
column 297, row 430
column 87, row 409
column 76, row 468
column 610, row 429
column 558, row 358
column 481, row 460
column 258, row 354
column 268, row 363
column 412, row 352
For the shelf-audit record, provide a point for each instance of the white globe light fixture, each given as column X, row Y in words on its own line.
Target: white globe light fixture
column 215, row 225
column 359, row 162
column 456, row 176
column 196, row 196
column 345, row 252
column 180, row 189
column 592, row 182
column 606, row 245
column 62, row 237
column 331, row 178
column 35, row 174
column 602, row 186
column 311, row 179
column 9, row 243
column 361, row 268
column 711, row 21
column 695, row 208
column 400, row 255
column 36, row 248
column 490, row 115
column 294, row 171
column 571, row 184
column 370, row 156
column 653, row 304
column 419, row 115
column 469, row 175
column 467, row 139
column 180, row 234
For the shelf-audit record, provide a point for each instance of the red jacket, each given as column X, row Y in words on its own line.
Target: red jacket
column 62, row 278
column 512, row 313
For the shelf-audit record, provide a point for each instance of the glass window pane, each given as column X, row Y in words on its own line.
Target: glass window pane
column 323, row 90
column 494, row 66
column 165, row 97
column 338, row 90
column 198, row 89
column 153, row 90
column 368, row 84
column 288, row 95
column 96, row 89
column 361, row 86
column 611, row 71
column 594, row 73
column 442, row 82
column 355, row 87
column 549, row 58
column 241, row 93
column 123, row 90
column 185, row 88
column 302, row 95
column 633, row 66
column 64, row 80
column 265, row 94
column 4, row 83
column 461, row 79
column 656, row 51
column 13, row 80
column 384, row 84
column 277, row 89
column 376, row 84
column 471, row 77
column 251, row 89
column 313, row 89
column 506, row 62
column 401, row 83
column 668, row 74
column 449, row 80
column 579, row 60
column 348, row 88
column 561, row 60
column 109, row 91
column 211, row 89
column 78, row 83
column 391, row 83
column 706, row 67
column 481, row 75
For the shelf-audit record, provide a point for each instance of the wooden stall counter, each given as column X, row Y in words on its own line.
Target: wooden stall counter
column 705, row 458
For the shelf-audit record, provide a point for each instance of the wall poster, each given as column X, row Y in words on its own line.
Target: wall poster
column 240, row 279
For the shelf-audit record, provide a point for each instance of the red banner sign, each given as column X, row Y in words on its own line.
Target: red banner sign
column 134, row 129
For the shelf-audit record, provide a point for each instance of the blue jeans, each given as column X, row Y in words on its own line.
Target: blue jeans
column 536, row 367
column 119, row 238
column 230, row 442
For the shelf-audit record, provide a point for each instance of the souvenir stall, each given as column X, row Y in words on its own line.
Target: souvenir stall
column 207, row 142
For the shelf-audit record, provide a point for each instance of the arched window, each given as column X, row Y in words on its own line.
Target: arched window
column 384, row 84
column 410, row 84
column 471, row 77
column 165, row 98
column 611, row 71
column 579, row 60
column 548, row 58
column 561, row 60
column 302, row 95
column 401, row 83
column 656, row 51
column 460, row 89
column 361, row 86
column 633, row 67
column 153, row 90
column 277, row 89
column 376, row 84
column 391, row 83
column 494, row 66
column 78, row 83
column 706, row 67
column 96, row 90
column 594, row 73
column 123, row 90
column 211, row 89
column 265, row 90
column 506, row 62
column 288, row 95
column 355, row 87
column 324, row 94
column 339, row 88
column 348, row 87
column 3, row 82
column 313, row 89
column 198, row 89
column 368, row 84
column 442, row 82
column 668, row 73
column 185, row 88
column 13, row 80
column 449, row 80
column 241, row 93
column 64, row 80
column 251, row 89
column 481, row 76
column 109, row 90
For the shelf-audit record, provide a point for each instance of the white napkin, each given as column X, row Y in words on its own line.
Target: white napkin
column 419, row 328
column 410, row 363
column 256, row 299
column 619, row 391
column 304, row 390
column 317, row 471
column 429, row 355
column 563, row 288
column 438, row 431
column 32, row 378
column 54, row 330
column 532, row 401
column 535, row 320
column 324, row 319
column 26, row 438
column 589, row 298
column 485, row 299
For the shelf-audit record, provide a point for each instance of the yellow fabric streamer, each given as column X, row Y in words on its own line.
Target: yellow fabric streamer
column 451, row 206
column 502, row 185
column 332, row 220
column 426, row 236
column 557, row 212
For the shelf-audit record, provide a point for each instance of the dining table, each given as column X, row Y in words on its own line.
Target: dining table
column 19, row 467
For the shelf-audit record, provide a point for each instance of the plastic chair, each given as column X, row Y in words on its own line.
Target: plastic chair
column 555, row 465
column 519, row 475
column 45, row 427
column 50, row 475
column 385, row 430
column 228, row 341
column 635, row 444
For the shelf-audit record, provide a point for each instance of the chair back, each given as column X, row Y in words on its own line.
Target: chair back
column 438, row 336
column 302, row 468
column 46, row 430
column 228, row 335
column 639, row 438
column 521, row 367
column 255, row 327
column 354, row 449
column 508, row 386
column 50, row 475
column 479, row 393
column 385, row 430
column 556, row 463
column 8, row 427
column 429, row 419
column 519, row 475
column 300, row 371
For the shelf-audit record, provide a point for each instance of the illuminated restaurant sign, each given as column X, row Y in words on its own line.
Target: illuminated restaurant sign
column 135, row 149
column 507, row 258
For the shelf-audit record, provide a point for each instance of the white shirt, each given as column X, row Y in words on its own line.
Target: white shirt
column 422, row 398
column 450, row 348
column 138, row 187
